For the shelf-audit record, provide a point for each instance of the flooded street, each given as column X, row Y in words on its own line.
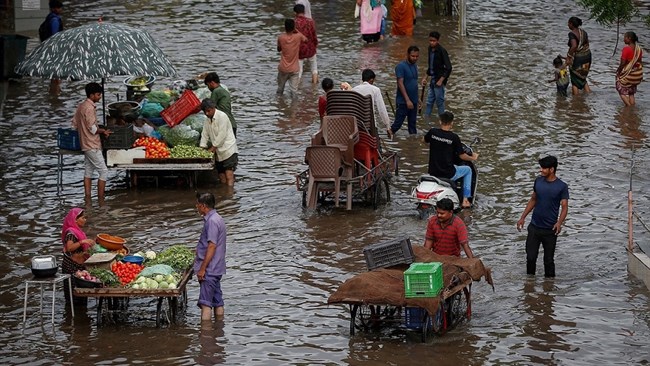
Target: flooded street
column 284, row 261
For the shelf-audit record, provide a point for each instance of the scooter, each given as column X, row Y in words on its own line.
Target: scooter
column 430, row 189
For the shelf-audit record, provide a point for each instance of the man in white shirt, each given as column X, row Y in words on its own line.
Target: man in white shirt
column 367, row 88
column 217, row 130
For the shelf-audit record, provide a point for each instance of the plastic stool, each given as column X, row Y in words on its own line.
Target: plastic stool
column 48, row 281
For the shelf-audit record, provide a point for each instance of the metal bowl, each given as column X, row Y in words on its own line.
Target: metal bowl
column 139, row 87
column 44, row 266
column 124, row 109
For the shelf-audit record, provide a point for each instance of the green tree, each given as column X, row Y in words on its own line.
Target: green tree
column 611, row 12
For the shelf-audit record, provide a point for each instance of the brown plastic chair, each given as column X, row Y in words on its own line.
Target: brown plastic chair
column 341, row 131
column 326, row 165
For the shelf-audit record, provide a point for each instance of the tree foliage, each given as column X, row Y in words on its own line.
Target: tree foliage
column 611, row 12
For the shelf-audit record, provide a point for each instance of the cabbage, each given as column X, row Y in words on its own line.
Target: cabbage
column 182, row 135
column 202, row 93
column 162, row 269
column 196, row 121
column 160, row 97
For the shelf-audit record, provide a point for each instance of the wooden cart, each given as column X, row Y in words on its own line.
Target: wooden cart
column 377, row 298
column 454, row 306
column 114, row 300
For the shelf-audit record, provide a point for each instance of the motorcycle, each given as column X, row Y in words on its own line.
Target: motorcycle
column 430, row 189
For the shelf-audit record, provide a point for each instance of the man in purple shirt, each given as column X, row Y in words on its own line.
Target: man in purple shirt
column 210, row 260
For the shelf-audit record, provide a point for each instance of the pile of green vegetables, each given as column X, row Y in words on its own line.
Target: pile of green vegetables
column 179, row 257
column 186, row 151
column 107, row 277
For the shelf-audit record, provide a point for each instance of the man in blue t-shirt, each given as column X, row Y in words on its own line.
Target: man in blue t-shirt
column 407, row 91
column 549, row 194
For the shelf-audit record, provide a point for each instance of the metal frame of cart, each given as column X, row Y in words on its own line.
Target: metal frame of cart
column 451, row 311
column 368, row 182
column 117, row 297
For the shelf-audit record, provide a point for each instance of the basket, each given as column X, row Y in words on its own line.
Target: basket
column 414, row 317
column 122, row 137
column 112, row 243
column 80, row 282
column 423, row 280
column 389, row 253
column 187, row 104
column 68, row 139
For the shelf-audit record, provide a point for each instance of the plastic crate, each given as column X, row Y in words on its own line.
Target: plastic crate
column 414, row 316
column 389, row 253
column 68, row 139
column 122, row 137
column 157, row 121
column 423, row 280
column 187, row 104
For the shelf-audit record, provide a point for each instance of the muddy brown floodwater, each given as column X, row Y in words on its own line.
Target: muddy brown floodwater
column 283, row 260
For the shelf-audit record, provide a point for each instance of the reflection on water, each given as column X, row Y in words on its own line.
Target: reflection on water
column 284, row 261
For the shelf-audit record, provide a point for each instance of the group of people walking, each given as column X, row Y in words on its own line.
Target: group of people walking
column 577, row 63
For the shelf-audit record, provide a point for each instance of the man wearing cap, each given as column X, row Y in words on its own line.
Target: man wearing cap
column 549, row 194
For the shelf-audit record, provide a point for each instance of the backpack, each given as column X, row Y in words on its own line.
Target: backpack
column 45, row 30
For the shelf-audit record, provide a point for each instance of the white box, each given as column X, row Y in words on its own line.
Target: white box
column 124, row 156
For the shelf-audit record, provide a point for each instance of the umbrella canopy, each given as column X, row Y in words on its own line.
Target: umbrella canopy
column 96, row 51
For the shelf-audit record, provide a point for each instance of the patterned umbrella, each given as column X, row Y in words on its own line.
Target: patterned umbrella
column 96, row 51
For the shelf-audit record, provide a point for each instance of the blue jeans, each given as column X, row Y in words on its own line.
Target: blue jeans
column 401, row 114
column 437, row 95
column 465, row 172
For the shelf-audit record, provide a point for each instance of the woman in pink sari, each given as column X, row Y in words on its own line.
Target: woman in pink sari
column 370, row 14
column 630, row 71
column 76, row 245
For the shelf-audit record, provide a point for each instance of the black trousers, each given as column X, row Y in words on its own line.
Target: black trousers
column 547, row 239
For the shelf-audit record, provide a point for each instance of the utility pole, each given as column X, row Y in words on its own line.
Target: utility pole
column 462, row 18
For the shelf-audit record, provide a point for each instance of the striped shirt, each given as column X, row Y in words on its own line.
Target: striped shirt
column 447, row 239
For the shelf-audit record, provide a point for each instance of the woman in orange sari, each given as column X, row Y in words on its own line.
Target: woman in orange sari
column 402, row 12
column 630, row 71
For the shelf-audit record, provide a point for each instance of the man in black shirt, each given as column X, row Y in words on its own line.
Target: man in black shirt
column 438, row 72
column 445, row 149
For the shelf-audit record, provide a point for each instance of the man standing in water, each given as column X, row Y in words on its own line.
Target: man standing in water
column 85, row 122
column 439, row 70
column 210, row 260
column 289, row 48
column 549, row 194
column 221, row 97
column 446, row 232
column 407, row 91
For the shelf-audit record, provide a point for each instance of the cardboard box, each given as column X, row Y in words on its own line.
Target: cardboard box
column 123, row 156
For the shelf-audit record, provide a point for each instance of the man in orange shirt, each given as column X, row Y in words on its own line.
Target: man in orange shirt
column 289, row 47
column 85, row 122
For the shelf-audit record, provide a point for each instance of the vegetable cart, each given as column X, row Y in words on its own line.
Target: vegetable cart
column 377, row 298
column 190, row 167
column 115, row 299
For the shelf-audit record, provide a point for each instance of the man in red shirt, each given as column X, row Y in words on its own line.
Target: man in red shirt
column 446, row 232
column 307, row 27
column 289, row 46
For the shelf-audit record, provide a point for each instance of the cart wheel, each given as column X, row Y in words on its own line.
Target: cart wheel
column 381, row 193
column 359, row 318
column 438, row 322
column 454, row 309
column 427, row 326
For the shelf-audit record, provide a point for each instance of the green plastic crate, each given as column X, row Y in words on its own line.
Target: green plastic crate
column 423, row 280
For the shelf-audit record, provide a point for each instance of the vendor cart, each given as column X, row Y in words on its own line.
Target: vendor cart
column 377, row 298
column 115, row 300
column 347, row 154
